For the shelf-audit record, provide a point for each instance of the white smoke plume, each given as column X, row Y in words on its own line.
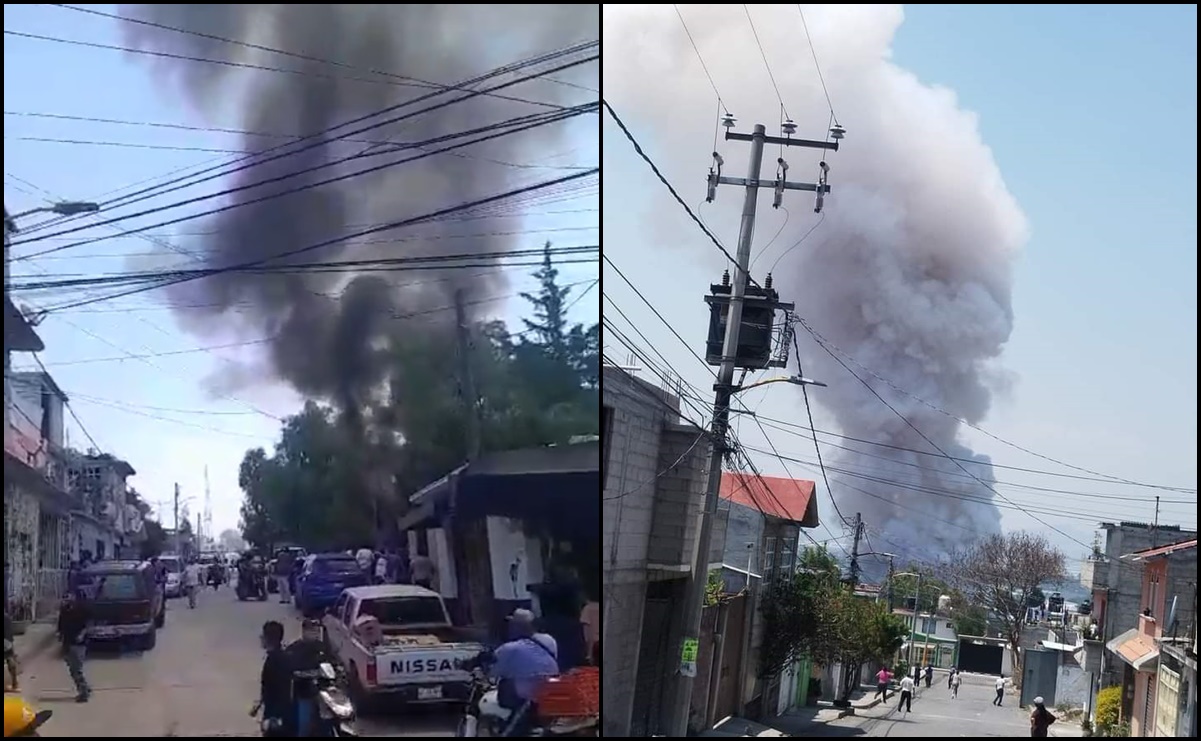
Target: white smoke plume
column 910, row 269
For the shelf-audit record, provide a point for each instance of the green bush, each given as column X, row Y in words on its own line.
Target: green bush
column 1109, row 709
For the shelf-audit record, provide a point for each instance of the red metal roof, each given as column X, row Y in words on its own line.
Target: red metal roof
column 1163, row 550
column 787, row 499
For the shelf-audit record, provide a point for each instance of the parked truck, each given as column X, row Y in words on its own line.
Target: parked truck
column 397, row 641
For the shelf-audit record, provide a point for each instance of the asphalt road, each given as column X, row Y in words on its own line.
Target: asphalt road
column 199, row 681
column 935, row 714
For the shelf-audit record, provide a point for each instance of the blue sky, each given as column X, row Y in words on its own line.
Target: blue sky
column 155, row 411
column 1090, row 114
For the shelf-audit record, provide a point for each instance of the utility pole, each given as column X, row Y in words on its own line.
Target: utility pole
column 677, row 725
column 1155, row 527
column 466, row 378
column 176, row 520
column 891, row 570
column 855, row 550
column 917, row 598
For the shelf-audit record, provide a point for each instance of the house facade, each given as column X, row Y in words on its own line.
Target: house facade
column 654, row 468
column 1156, row 690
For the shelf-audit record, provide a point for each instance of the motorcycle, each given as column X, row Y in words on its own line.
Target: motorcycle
column 335, row 714
column 483, row 715
column 252, row 583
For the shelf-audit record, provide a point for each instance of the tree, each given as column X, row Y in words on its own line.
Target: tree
column 867, row 633
column 796, row 617
column 1000, row 574
column 230, row 541
column 325, row 483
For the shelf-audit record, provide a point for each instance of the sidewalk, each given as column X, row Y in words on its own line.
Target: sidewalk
column 794, row 722
column 37, row 639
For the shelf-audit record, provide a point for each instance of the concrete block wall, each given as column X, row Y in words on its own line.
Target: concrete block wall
column 680, row 492
column 645, row 520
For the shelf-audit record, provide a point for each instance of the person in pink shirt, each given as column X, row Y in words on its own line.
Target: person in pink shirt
column 882, row 678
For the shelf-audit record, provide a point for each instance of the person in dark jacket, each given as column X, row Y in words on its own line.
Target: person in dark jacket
column 561, row 599
column 10, row 651
column 73, row 629
column 275, row 683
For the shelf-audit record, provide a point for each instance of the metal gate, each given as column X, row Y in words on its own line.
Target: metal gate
column 650, row 683
column 1040, row 669
column 981, row 658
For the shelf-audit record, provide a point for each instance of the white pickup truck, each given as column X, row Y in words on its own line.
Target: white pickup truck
column 397, row 642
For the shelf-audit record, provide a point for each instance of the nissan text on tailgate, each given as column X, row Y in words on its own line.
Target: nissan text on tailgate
column 397, row 641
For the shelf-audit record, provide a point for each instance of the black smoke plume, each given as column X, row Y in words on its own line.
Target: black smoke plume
column 330, row 329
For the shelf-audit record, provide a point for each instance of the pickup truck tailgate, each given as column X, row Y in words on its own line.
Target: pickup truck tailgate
column 424, row 664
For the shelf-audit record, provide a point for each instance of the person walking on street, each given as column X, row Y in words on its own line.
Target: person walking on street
column 283, row 575
column 73, row 628
column 1040, row 719
column 882, row 678
column 929, row 675
column 1000, row 691
column 906, row 702
column 191, row 583
column 955, row 680
column 951, row 676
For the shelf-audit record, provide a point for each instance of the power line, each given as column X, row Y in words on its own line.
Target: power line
column 831, row 346
column 240, row 132
column 265, row 340
column 272, row 50
column 492, row 131
column 384, row 227
column 429, row 262
column 662, row 179
column 70, row 409
column 816, row 446
column 259, row 158
column 816, row 64
column 933, row 444
column 763, row 54
column 701, row 59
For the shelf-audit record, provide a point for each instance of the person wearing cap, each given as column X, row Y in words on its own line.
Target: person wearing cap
column 1040, row 719
column 521, row 666
column 306, row 655
column 20, row 718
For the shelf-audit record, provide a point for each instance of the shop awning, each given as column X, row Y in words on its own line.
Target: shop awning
column 556, row 487
column 1136, row 649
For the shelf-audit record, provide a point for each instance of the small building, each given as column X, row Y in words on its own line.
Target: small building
column 654, row 472
column 1168, row 596
column 932, row 638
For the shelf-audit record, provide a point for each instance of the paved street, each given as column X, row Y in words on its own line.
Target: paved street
column 199, row 681
column 936, row 714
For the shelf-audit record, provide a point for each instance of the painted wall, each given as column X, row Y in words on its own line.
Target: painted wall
column 516, row 559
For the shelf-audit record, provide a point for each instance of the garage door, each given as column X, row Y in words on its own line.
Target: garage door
column 980, row 658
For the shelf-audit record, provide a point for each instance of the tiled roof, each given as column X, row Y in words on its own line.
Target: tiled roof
column 774, row 496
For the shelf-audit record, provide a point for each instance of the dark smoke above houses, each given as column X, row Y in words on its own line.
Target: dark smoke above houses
column 329, row 327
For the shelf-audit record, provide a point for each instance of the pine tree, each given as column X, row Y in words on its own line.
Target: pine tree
column 549, row 326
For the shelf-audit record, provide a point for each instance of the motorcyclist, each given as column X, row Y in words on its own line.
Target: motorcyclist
column 21, row 719
column 305, row 656
column 520, row 667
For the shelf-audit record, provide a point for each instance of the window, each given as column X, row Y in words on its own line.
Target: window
column 929, row 625
column 769, row 559
column 404, row 611
column 788, row 551
column 606, row 435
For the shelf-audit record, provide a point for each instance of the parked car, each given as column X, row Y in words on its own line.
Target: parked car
column 173, row 565
column 396, row 641
column 124, row 601
column 322, row 579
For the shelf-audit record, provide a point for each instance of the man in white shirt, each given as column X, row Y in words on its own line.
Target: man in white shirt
column 906, row 703
column 1000, row 691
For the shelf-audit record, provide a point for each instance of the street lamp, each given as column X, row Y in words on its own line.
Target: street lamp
column 62, row 208
column 916, row 597
column 794, row 380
